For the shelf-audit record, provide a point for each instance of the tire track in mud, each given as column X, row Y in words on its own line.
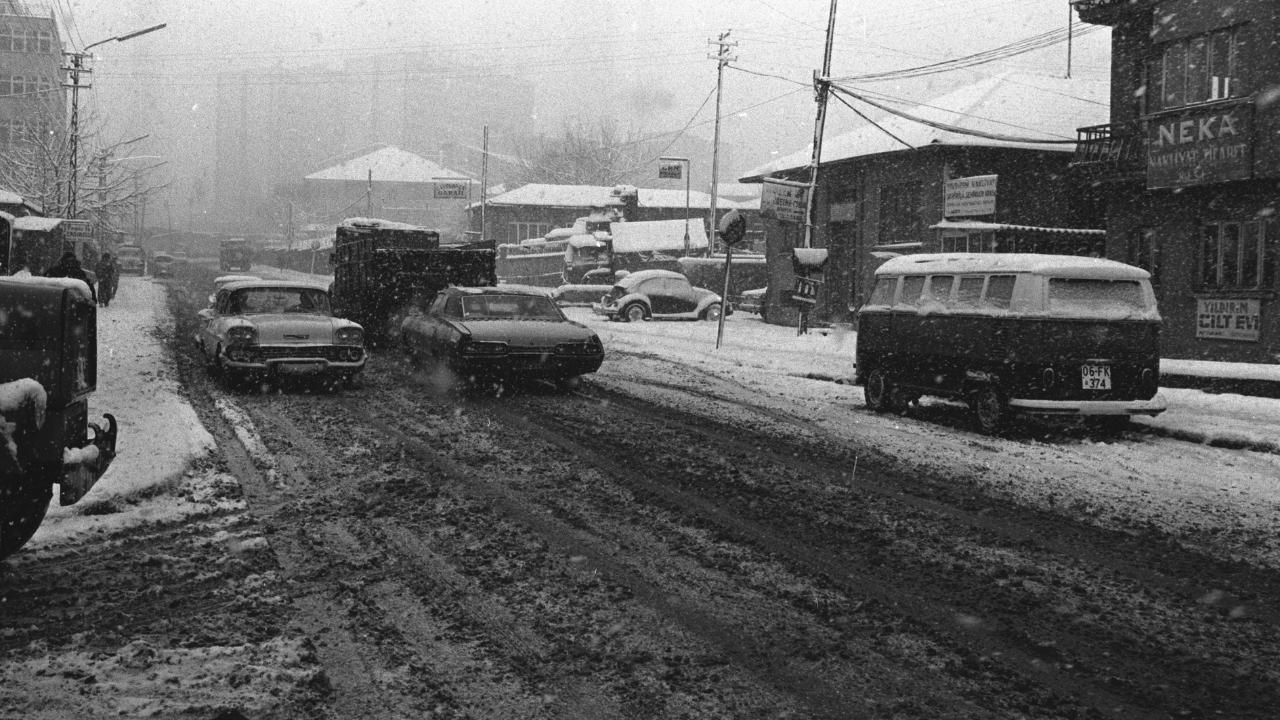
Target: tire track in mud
column 1017, row 645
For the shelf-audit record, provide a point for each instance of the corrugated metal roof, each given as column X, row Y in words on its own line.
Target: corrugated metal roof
column 389, row 164
column 1013, row 104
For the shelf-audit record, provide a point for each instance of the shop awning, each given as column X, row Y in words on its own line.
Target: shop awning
column 978, row 226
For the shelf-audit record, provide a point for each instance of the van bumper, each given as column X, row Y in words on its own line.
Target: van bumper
column 1154, row 406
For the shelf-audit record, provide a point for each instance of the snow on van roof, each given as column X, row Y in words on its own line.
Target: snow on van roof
column 1057, row 265
column 77, row 286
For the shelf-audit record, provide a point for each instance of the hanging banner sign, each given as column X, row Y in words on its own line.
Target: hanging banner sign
column 444, row 190
column 784, row 201
column 671, row 170
column 1199, row 147
column 970, row 196
column 1229, row 319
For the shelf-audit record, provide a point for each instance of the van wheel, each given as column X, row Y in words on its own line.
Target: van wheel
column 879, row 391
column 990, row 409
column 24, row 499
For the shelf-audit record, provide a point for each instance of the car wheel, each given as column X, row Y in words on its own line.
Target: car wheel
column 635, row 312
column 990, row 409
column 712, row 312
column 24, row 500
column 879, row 391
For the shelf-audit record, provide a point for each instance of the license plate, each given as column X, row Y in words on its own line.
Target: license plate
column 300, row 368
column 1095, row 377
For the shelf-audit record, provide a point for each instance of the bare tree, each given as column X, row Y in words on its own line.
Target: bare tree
column 108, row 190
column 599, row 153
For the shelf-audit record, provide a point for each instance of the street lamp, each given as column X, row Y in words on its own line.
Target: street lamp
column 77, row 67
column 685, row 160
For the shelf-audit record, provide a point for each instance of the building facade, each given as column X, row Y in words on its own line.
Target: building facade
column 981, row 169
column 32, row 105
column 1190, row 165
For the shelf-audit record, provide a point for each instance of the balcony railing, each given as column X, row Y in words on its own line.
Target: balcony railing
column 1108, row 12
column 1116, row 148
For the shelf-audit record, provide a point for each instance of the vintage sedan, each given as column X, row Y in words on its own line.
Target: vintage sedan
column 501, row 333
column 162, row 265
column 659, row 295
column 269, row 329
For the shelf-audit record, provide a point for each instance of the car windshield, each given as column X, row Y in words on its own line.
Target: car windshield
column 252, row 301
column 524, row 307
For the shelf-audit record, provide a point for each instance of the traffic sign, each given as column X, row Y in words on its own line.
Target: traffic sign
column 733, row 227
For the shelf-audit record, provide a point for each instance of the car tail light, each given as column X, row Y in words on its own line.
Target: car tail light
column 1048, row 379
column 484, row 347
column 592, row 346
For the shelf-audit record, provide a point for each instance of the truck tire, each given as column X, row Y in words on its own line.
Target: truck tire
column 23, row 502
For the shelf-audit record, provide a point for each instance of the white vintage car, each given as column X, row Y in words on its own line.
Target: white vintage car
column 266, row 329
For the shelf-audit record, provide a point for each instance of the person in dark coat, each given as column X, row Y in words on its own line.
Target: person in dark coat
column 108, row 272
column 69, row 267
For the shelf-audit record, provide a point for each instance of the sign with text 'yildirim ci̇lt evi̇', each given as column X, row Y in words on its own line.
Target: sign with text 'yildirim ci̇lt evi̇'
column 970, row 196
column 784, row 201
column 1228, row 319
column 1201, row 146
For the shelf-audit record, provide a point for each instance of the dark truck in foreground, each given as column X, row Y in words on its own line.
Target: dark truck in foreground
column 381, row 268
column 48, row 370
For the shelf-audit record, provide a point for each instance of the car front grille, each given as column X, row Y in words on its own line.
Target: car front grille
column 280, row 352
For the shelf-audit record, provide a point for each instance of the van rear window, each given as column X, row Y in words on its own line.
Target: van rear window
column 882, row 293
column 1073, row 295
column 911, row 287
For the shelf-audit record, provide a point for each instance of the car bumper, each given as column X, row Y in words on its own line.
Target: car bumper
column 1154, row 406
column 291, row 360
column 606, row 310
column 531, row 366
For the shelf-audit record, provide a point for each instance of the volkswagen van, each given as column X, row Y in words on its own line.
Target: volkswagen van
column 1012, row 334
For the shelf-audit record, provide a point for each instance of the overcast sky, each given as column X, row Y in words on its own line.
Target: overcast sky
column 643, row 62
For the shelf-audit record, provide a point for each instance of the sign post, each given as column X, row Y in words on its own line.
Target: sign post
column 783, row 200
column 671, row 168
column 733, row 227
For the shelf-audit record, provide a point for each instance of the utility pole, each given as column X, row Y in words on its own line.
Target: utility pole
column 368, row 196
column 822, row 88
column 722, row 58
column 75, row 68
column 484, row 183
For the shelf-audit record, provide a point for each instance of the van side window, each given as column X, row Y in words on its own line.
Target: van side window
column 940, row 288
column 912, row 286
column 970, row 291
column 999, row 291
column 882, row 293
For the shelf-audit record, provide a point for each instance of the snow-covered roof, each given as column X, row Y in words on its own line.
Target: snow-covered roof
column 657, row 236
column 77, row 286
column 389, row 164
column 1059, row 265
column 31, row 222
column 589, row 196
column 1016, row 105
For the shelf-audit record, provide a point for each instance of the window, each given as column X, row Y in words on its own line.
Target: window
column 1238, row 255
column 44, row 41
column 1195, row 70
column 900, row 213
column 6, row 38
column 1087, row 296
column 518, row 231
column 970, row 291
column 912, row 285
column 976, row 241
column 1144, row 252
column 940, row 288
column 19, row 40
column 999, row 291
column 882, row 293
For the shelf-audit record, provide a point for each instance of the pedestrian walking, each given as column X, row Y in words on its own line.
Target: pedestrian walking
column 69, row 267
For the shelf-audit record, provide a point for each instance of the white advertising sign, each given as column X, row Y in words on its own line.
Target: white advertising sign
column 784, row 201
column 971, row 196
column 1229, row 319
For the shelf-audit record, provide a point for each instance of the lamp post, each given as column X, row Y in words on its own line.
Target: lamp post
column 687, row 173
column 76, row 68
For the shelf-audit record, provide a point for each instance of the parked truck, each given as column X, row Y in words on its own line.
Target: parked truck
column 48, row 370
column 381, row 268
column 235, row 255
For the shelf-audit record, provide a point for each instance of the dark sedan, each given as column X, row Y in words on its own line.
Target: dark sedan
column 501, row 333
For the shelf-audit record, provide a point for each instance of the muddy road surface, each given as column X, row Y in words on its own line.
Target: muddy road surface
column 404, row 549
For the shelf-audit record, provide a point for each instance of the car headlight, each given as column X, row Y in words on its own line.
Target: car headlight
column 242, row 335
column 484, row 347
column 348, row 336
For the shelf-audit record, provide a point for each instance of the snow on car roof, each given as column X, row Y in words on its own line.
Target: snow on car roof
column 1057, row 265
column 257, row 283
column 504, row 289
column 80, row 287
column 637, row 276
